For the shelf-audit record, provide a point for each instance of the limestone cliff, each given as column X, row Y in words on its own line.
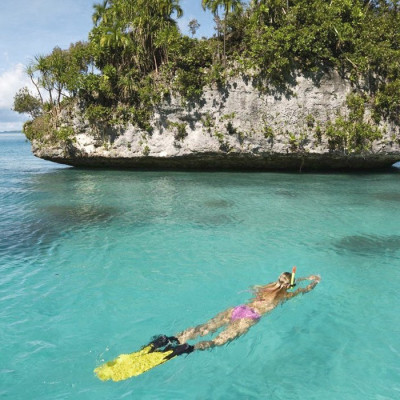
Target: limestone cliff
column 236, row 127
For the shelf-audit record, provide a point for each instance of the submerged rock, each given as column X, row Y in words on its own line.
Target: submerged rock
column 369, row 244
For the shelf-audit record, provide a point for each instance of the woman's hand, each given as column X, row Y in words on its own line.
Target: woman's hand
column 315, row 280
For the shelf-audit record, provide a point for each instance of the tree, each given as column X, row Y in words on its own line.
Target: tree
column 270, row 12
column 26, row 103
column 136, row 32
column 99, row 12
column 59, row 74
column 228, row 5
column 193, row 26
column 136, row 54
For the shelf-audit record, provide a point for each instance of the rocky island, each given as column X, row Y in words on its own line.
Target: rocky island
column 254, row 97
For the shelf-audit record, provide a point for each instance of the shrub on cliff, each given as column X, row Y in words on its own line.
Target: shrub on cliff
column 26, row 103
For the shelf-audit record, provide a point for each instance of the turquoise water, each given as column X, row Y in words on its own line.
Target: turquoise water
column 94, row 263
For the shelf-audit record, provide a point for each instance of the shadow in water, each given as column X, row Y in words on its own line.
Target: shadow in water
column 286, row 193
column 207, row 221
column 38, row 230
column 66, row 201
column 369, row 244
column 218, row 203
column 79, row 214
column 388, row 196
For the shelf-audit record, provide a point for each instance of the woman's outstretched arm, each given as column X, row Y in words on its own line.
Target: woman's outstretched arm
column 315, row 279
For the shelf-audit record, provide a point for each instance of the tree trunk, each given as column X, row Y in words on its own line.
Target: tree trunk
column 155, row 62
column 37, row 88
column 226, row 16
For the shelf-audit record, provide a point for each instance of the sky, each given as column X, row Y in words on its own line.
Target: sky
column 34, row 27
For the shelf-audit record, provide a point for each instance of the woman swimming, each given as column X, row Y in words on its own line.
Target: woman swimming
column 237, row 320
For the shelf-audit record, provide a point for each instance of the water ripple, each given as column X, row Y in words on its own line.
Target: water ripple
column 94, row 260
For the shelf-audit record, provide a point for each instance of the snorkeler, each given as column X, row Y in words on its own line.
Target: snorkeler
column 236, row 320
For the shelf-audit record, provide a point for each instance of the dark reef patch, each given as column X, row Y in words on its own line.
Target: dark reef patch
column 48, row 222
column 214, row 220
column 79, row 214
column 286, row 193
column 218, row 203
column 391, row 196
column 367, row 244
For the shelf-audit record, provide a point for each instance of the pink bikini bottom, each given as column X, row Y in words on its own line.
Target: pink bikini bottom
column 244, row 311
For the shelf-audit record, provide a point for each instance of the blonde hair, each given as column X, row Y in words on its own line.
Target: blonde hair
column 285, row 277
column 279, row 285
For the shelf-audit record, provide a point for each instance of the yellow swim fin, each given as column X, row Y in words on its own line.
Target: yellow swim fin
column 128, row 365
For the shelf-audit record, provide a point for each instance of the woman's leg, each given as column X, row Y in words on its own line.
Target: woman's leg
column 210, row 326
column 233, row 330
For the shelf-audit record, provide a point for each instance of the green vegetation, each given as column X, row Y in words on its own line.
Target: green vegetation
column 146, row 150
column 228, row 117
column 65, row 133
column 136, row 56
column 310, row 120
column 352, row 134
column 24, row 102
column 220, row 136
column 180, row 129
column 38, row 128
column 318, row 133
column 96, row 113
column 208, row 122
column 268, row 132
column 230, row 128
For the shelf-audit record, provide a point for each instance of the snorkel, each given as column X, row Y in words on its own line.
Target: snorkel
column 292, row 284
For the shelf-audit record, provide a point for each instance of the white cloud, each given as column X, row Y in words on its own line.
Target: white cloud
column 10, row 120
column 10, row 126
column 11, row 81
